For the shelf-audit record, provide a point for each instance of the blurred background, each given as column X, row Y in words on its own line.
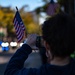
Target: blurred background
column 33, row 14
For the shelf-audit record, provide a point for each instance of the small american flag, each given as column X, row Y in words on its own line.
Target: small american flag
column 19, row 26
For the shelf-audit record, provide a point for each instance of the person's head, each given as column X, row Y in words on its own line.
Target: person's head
column 59, row 35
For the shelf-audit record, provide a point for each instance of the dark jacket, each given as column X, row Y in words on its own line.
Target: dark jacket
column 15, row 65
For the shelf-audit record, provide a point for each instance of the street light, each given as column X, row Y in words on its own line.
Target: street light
column 52, row 1
column 52, row 8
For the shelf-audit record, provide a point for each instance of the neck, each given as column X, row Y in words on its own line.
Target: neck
column 60, row 61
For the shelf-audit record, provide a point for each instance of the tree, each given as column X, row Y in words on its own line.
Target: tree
column 6, row 19
column 68, row 6
column 7, row 16
column 31, row 25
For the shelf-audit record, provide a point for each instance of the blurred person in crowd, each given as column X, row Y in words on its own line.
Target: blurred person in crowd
column 58, row 33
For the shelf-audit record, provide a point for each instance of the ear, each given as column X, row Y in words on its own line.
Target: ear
column 46, row 45
column 48, row 53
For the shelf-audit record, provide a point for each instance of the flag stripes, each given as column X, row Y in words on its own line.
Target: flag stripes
column 19, row 26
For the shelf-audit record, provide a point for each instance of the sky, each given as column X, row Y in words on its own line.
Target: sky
column 19, row 3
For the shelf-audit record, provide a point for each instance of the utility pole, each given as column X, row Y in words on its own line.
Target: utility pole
column 69, row 7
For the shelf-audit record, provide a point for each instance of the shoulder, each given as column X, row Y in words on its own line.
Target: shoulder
column 42, row 70
column 33, row 71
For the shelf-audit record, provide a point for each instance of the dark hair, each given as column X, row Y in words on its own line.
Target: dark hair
column 59, row 32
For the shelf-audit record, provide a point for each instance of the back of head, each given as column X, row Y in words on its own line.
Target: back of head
column 59, row 32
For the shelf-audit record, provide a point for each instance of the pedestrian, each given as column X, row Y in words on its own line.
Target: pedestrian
column 58, row 33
